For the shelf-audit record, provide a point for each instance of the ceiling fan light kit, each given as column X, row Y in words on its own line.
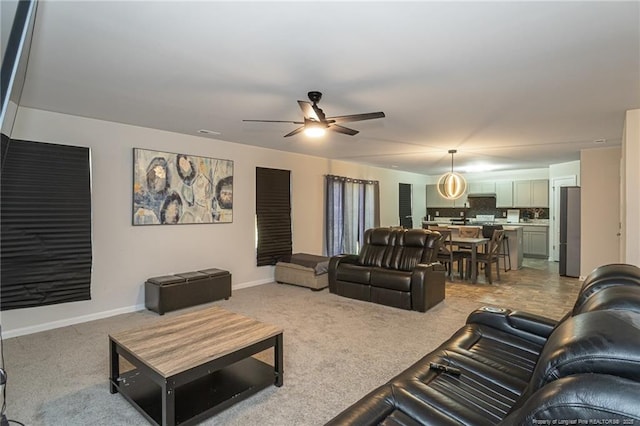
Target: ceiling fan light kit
column 316, row 123
column 452, row 185
column 314, row 131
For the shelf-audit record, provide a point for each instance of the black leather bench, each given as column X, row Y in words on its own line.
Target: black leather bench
column 170, row 292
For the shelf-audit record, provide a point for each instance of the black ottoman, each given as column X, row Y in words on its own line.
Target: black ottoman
column 170, row 292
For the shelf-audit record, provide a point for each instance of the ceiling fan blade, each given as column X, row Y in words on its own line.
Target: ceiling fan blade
column 308, row 110
column 342, row 129
column 294, row 132
column 274, row 121
column 356, row 117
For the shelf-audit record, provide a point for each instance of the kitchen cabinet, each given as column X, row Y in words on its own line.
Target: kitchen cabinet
column 502, row 189
column 504, row 194
column 535, row 241
column 531, row 193
column 481, row 188
column 540, row 193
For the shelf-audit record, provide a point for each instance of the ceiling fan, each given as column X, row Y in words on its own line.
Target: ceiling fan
column 316, row 122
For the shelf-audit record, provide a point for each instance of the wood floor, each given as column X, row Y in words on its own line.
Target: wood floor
column 536, row 288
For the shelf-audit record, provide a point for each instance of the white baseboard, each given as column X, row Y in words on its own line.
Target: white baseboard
column 70, row 321
column 100, row 315
column 252, row 283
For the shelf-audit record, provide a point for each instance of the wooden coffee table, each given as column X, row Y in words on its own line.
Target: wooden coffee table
column 191, row 366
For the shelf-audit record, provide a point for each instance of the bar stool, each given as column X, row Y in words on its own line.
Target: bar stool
column 505, row 250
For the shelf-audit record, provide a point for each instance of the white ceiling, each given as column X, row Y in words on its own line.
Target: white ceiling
column 515, row 85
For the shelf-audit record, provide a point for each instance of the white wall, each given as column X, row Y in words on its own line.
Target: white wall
column 523, row 174
column 630, row 246
column 125, row 255
column 600, row 208
column 572, row 168
column 389, row 189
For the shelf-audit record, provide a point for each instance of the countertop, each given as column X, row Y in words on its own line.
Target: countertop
column 534, row 224
column 447, row 222
column 504, row 226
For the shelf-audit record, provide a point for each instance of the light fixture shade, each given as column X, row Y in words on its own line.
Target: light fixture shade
column 314, row 131
column 452, row 185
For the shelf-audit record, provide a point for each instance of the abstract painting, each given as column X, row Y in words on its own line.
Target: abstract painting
column 172, row 189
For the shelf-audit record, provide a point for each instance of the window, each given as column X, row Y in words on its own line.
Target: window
column 352, row 207
column 45, row 224
column 273, row 215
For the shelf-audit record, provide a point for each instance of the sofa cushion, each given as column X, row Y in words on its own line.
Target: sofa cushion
column 431, row 247
column 354, row 273
column 604, row 342
column 476, row 397
column 391, row 279
column 414, row 246
column 616, row 297
column 513, row 355
column 611, row 275
column 377, row 244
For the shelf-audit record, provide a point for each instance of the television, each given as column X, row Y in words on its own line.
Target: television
column 18, row 18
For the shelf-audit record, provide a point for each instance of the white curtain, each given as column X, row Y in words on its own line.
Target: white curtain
column 352, row 207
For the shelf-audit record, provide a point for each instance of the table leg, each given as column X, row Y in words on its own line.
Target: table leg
column 474, row 264
column 278, row 361
column 168, row 404
column 114, row 369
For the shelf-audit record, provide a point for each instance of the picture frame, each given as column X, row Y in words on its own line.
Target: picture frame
column 174, row 189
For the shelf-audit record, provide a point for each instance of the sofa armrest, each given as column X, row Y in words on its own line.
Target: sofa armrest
column 427, row 285
column 334, row 263
column 532, row 327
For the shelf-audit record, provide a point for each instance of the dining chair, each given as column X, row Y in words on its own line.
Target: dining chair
column 467, row 232
column 446, row 254
column 505, row 250
column 491, row 256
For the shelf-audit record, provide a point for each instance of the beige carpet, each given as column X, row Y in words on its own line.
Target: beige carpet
column 335, row 351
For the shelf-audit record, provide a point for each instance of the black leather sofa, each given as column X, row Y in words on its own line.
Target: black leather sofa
column 395, row 267
column 518, row 369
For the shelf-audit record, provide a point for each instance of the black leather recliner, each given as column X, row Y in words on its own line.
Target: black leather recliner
column 395, row 267
column 514, row 368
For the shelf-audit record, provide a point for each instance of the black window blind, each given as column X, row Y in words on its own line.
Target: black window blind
column 45, row 224
column 273, row 215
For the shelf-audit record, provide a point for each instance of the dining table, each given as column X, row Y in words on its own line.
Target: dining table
column 473, row 244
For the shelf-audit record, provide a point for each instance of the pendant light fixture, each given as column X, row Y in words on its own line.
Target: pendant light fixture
column 452, row 185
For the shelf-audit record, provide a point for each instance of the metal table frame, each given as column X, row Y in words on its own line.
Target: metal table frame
column 170, row 385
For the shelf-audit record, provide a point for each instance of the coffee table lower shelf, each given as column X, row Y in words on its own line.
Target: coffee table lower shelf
column 201, row 398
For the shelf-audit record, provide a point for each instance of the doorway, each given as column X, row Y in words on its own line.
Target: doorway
column 405, row 205
column 554, row 229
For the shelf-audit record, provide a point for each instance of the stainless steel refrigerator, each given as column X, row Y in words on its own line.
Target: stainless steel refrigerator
column 570, row 231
